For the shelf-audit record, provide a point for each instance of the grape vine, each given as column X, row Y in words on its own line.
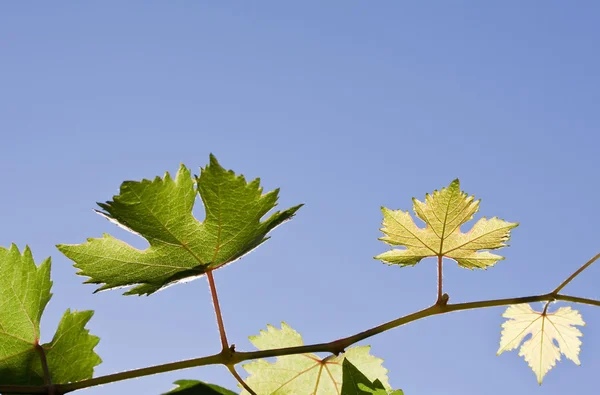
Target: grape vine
column 183, row 248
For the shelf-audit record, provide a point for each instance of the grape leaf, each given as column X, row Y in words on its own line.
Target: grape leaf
column 305, row 373
column 378, row 391
column 356, row 383
column 195, row 387
column 540, row 351
column 180, row 246
column 24, row 293
column 443, row 213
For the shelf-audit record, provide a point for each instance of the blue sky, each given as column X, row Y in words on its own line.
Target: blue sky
column 346, row 106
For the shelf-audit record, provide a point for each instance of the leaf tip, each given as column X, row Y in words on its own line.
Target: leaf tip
column 212, row 160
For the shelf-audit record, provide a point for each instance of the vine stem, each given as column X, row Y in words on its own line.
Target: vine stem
column 439, row 276
column 226, row 351
column 575, row 274
column 229, row 357
column 240, row 379
column 47, row 378
column 334, row 347
column 569, row 279
column 215, row 299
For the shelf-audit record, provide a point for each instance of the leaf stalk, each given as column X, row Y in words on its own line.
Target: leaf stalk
column 226, row 352
column 239, row 378
column 47, row 378
column 440, row 297
column 215, row 299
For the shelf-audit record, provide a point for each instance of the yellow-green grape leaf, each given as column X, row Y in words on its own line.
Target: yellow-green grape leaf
column 356, row 383
column 305, row 373
column 540, row 351
column 444, row 212
column 24, row 294
column 181, row 247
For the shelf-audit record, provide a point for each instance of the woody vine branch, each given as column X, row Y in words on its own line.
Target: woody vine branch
column 231, row 357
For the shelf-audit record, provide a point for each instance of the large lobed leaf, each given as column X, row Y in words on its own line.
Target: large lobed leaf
column 540, row 351
column 305, row 373
column 180, row 246
column 24, row 293
column 443, row 213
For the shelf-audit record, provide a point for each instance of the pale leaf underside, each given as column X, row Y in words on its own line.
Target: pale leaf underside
column 305, row 373
column 552, row 334
column 443, row 213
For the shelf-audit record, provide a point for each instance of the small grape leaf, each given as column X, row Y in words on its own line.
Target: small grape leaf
column 443, row 213
column 356, row 383
column 24, row 294
column 379, row 391
column 305, row 373
column 181, row 247
column 540, row 351
column 195, row 387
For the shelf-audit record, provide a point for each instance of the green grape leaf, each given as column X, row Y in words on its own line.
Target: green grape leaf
column 540, row 351
column 305, row 373
column 195, row 387
column 379, row 391
column 443, row 213
column 24, row 294
column 181, row 247
column 356, row 383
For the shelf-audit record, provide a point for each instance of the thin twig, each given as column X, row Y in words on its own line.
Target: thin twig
column 42, row 353
column 240, row 380
column 226, row 350
column 439, row 276
column 334, row 347
column 575, row 274
column 215, row 299
column 215, row 359
column 230, row 357
column 51, row 389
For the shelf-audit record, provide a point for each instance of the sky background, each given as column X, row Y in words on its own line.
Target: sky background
column 346, row 106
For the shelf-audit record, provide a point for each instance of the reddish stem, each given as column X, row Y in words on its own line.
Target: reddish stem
column 240, row 380
column 47, row 378
column 439, row 288
column 215, row 298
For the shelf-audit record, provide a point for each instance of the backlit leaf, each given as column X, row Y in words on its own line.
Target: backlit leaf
column 24, row 293
column 305, row 373
column 540, row 351
column 444, row 212
column 180, row 246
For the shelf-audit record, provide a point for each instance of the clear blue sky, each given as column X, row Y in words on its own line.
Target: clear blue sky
column 347, row 106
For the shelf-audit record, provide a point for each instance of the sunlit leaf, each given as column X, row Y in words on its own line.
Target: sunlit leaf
column 305, row 373
column 546, row 329
column 444, row 212
column 181, row 247
column 24, row 293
